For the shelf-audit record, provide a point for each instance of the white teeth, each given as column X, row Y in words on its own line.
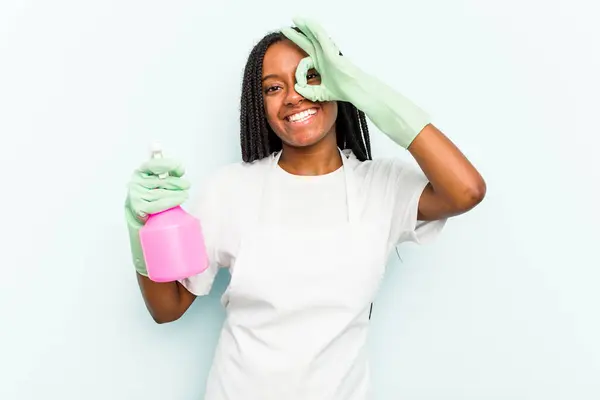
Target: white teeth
column 301, row 116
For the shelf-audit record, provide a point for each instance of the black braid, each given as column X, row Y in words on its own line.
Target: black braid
column 258, row 140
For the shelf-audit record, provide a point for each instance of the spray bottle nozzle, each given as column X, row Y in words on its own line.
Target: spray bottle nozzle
column 156, row 151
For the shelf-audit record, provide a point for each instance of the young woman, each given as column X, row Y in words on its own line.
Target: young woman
column 306, row 222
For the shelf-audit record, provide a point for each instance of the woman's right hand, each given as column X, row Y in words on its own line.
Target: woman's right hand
column 147, row 193
column 150, row 194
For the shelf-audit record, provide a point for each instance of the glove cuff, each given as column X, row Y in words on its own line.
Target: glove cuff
column 392, row 113
column 399, row 119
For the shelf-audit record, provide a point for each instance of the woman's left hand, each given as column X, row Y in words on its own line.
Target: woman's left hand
column 338, row 75
column 341, row 80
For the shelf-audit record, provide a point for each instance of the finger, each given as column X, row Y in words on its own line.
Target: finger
column 313, row 92
column 301, row 24
column 150, row 195
column 163, row 204
column 157, row 166
column 305, row 65
column 313, row 29
column 315, row 62
column 154, row 182
column 302, row 41
column 150, row 202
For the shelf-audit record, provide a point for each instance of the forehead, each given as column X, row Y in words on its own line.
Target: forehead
column 282, row 57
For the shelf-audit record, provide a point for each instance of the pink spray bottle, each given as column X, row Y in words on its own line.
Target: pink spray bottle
column 172, row 242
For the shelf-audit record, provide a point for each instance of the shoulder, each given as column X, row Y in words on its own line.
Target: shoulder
column 233, row 178
column 384, row 171
column 388, row 187
column 243, row 169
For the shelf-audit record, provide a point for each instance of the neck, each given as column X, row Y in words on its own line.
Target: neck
column 318, row 159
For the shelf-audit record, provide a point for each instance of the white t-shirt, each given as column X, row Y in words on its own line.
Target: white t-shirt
column 307, row 200
column 389, row 188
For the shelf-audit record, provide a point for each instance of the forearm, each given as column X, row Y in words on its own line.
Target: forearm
column 166, row 301
column 454, row 180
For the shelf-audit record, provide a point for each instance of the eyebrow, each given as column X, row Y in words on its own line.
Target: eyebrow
column 269, row 77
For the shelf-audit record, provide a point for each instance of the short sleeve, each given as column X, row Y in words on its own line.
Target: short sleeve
column 208, row 208
column 407, row 185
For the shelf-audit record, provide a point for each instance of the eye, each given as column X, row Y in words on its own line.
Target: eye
column 270, row 89
column 312, row 75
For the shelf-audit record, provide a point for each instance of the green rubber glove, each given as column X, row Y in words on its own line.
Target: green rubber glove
column 341, row 80
column 148, row 194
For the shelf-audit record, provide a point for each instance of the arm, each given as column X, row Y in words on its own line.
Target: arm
column 455, row 185
column 167, row 301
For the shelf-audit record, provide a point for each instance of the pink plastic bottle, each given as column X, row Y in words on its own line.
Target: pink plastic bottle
column 173, row 243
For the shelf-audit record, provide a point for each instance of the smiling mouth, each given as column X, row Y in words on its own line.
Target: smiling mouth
column 302, row 116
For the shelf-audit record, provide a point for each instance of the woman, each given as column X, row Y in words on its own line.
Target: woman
column 306, row 222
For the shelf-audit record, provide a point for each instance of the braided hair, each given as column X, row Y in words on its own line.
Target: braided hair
column 258, row 140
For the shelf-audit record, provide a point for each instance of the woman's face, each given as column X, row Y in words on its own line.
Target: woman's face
column 297, row 121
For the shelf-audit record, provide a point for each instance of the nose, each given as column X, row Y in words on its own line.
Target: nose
column 292, row 97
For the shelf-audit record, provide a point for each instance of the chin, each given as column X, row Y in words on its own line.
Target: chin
column 304, row 139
